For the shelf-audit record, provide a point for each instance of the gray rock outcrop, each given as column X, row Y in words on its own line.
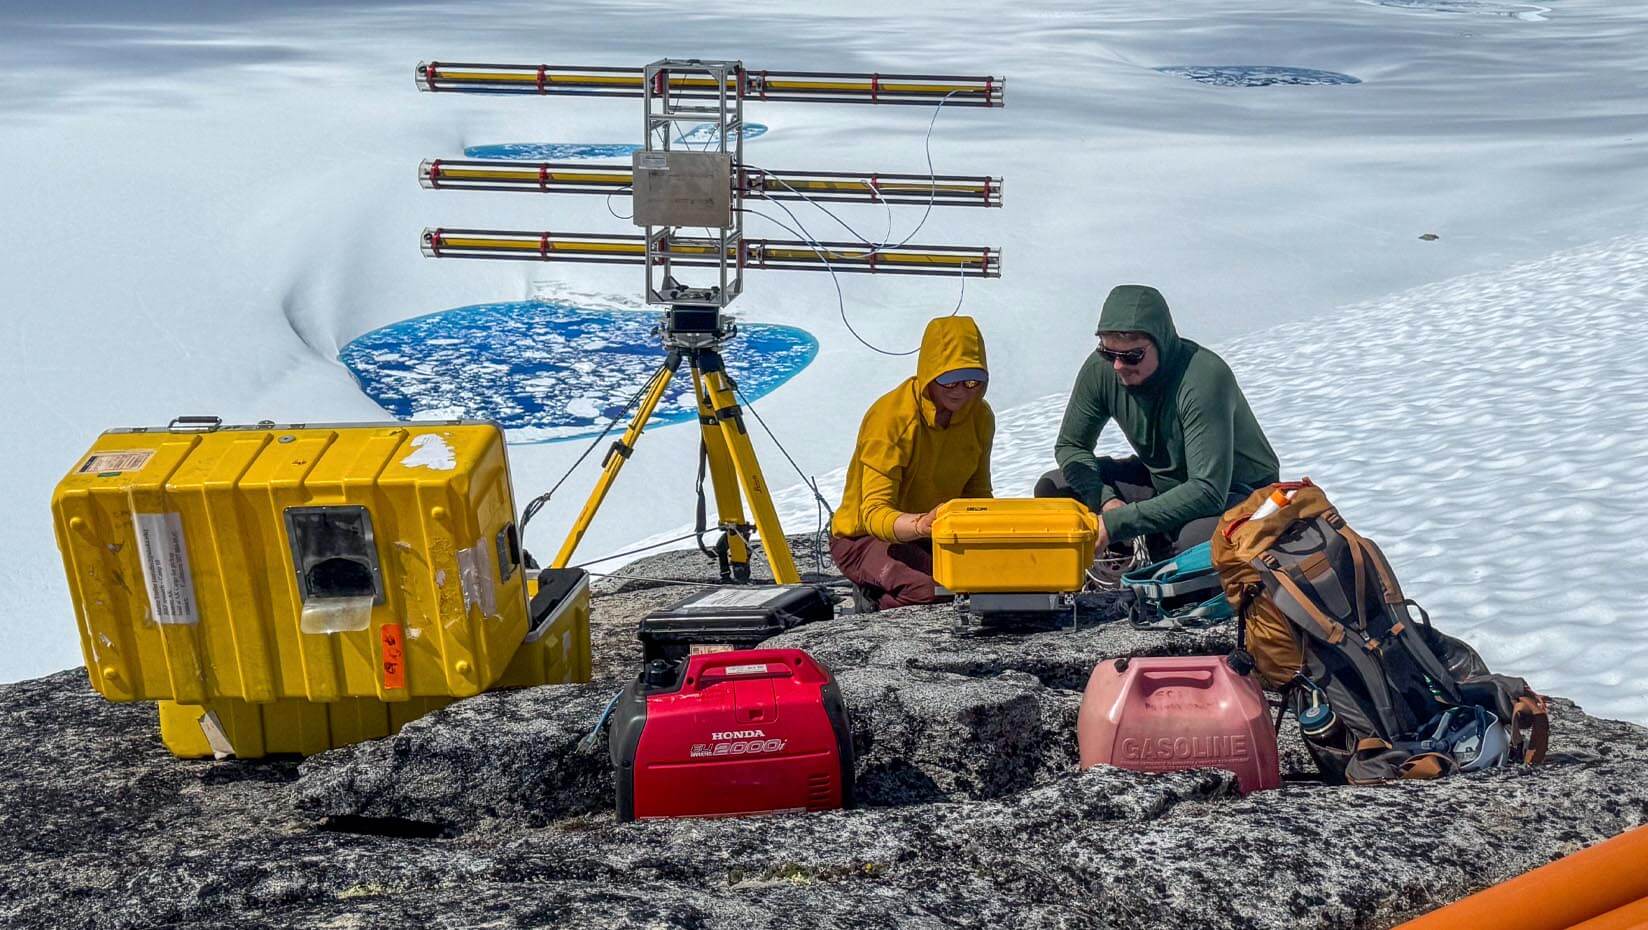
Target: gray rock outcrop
column 489, row 814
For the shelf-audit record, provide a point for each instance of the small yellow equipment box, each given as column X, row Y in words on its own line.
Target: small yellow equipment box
column 1013, row 545
column 306, row 562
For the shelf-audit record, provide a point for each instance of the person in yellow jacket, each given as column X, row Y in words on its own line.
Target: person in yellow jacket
column 924, row 442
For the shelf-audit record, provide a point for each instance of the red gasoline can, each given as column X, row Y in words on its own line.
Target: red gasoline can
column 1170, row 713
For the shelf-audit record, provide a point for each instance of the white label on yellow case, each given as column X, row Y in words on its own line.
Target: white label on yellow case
column 166, row 567
column 130, row 460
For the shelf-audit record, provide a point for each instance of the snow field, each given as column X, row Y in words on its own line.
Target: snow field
column 1486, row 431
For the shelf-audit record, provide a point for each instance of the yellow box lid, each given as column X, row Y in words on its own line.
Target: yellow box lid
column 1009, row 520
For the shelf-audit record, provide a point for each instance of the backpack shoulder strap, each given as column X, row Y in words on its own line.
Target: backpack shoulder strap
column 1360, row 546
column 1359, row 562
column 1328, row 629
column 1365, row 551
column 1323, row 628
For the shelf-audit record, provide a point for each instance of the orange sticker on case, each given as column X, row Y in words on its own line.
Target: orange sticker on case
column 394, row 665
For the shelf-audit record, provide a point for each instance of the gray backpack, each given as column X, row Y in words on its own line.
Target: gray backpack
column 1378, row 694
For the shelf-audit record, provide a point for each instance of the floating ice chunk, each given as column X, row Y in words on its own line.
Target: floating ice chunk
column 439, row 413
column 585, row 407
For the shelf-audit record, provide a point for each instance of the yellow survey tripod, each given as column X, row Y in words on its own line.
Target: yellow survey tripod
column 696, row 334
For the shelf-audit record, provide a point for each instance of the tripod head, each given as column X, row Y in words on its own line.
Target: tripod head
column 685, row 326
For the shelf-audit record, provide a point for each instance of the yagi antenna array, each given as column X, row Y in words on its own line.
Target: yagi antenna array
column 691, row 203
column 704, row 191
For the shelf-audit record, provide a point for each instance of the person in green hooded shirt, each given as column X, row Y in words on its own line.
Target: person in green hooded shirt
column 1198, row 448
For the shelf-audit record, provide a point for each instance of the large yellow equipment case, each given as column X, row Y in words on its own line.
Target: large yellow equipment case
column 1013, row 545
column 306, row 562
column 555, row 651
column 231, row 727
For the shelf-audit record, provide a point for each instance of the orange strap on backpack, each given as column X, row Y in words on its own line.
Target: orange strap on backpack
column 1531, row 716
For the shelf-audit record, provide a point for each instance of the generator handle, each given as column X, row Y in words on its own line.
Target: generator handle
column 714, row 675
column 705, row 671
column 194, row 424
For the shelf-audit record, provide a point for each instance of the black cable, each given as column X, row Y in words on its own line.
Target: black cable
column 875, row 247
column 626, row 577
column 803, row 475
column 636, row 551
column 615, row 193
column 840, row 299
column 811, row 482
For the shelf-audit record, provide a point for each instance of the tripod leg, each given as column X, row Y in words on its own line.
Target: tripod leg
column 729, row 505
column 730, row 423
column 617, row 455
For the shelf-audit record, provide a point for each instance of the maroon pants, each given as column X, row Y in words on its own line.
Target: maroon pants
column 889, row 574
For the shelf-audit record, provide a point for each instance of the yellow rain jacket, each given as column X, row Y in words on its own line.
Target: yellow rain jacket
column 904, row 463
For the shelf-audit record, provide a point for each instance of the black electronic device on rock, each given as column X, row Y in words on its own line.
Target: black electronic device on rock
column 732, row 617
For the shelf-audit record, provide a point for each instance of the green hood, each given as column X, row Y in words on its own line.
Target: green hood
column 1136, row 308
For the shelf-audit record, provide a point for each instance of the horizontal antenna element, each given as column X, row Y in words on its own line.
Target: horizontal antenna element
column 786, row 86
column 820, row 186
column 783, row 254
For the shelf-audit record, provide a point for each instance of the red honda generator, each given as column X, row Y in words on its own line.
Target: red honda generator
column 709, row 729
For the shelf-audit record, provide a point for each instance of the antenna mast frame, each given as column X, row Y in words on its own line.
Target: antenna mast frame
column 678, row 190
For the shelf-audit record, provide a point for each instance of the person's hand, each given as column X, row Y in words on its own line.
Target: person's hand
column 924, row 523
column 1115, row 503
column 910, row 527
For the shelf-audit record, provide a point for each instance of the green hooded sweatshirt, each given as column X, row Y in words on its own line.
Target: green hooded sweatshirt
column 1188, row 423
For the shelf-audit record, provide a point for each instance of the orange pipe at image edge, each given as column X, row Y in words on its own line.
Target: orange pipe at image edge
column 1598, row 888
column 1633, row 916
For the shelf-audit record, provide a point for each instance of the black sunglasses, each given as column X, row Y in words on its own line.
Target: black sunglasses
column 1125, row 356
column 969, row 384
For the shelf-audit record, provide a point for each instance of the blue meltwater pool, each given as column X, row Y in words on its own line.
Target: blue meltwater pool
column 548, row 370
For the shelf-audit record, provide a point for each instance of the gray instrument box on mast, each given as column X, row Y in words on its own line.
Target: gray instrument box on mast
column 683, row 189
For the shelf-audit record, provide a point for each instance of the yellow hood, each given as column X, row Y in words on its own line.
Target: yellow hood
column 950, row 342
